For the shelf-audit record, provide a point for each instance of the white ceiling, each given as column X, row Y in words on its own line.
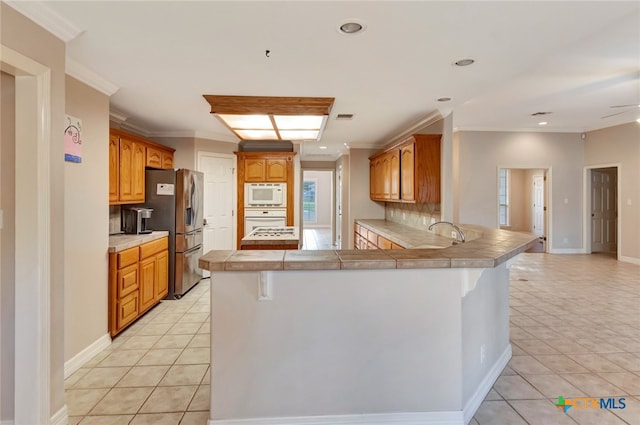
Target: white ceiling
column 575, row 59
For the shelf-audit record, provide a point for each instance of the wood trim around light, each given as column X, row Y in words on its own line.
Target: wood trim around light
column 274, row 105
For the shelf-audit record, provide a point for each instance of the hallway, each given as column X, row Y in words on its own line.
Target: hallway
column 575, row 332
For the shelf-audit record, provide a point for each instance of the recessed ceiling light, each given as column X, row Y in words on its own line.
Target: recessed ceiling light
column 351, row 26
column 322, row 147
column 444, row 99
column 464, row 62
column 542, row 123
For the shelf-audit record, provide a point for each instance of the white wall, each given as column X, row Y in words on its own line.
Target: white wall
column 621, row 145
column 369, row 335
column 360, row 205
column 324, row 191
column 86, row 222
column 482, row 153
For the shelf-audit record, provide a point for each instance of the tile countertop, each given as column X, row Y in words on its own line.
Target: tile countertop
column 122, row 241
column 485, row 247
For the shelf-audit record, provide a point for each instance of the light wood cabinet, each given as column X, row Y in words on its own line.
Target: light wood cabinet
column 129, row 154
column 260, row 167
column 259, row 170
column 364, row 238
column 114, row 168
column 138, row 280
column 408, row 171
column 132, row 160
column 407, row 168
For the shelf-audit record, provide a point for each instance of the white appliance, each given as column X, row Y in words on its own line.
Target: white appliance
column 265, row 195
column 264, row 217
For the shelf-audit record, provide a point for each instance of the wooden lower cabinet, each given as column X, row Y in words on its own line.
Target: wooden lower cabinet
column 138, row 280
column 364, row 238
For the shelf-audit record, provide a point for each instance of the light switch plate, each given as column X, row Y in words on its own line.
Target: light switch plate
column 1, row 219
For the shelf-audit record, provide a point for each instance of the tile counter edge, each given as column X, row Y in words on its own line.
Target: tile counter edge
column 123, row 241
column 491, row 248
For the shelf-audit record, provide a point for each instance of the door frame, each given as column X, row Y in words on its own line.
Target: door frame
column 548, row 200
column 586, row 207
column 32, row 325
column 333, row 200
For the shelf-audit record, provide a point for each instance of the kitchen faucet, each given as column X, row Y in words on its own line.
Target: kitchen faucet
column 462, row 239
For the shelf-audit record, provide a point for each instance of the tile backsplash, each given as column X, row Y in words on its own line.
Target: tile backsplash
column 418, row 216
column 114, row 219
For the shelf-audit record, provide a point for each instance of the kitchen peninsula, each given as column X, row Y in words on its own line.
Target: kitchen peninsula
column 406, row 336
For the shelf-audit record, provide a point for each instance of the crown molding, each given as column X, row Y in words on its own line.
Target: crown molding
column 47, row 18
column 197, row 134
column 90, row 78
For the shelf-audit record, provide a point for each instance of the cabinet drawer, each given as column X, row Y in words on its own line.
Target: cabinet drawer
column 127, row 280
column 372, row 237
column 127, row 257
column 127, row 310
column 396, row 246
column 153, row 247
column 384, row 243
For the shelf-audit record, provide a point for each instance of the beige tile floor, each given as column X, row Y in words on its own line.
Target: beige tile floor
column 318, row 238
column 575, row 331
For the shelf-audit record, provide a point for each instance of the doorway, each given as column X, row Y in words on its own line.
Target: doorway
column 522, row 203
column 602, row 206
column 318, row 209
column 26, row 244
column 219, row 230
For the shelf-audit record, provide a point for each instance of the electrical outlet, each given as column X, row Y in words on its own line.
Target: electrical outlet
column 483, row 353
column 453, row 234
column 404, row 216
column 391, row 213
column 424, row 221
column 433, row 220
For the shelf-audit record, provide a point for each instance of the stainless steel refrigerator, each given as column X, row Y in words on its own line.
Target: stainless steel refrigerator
column 176, row 197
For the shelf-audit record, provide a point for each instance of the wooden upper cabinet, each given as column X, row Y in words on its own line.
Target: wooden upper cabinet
column 167, row 160
column 276, row 170
column 254, row 170
column 408, row 171
column 154, row 157
column 114, row 168
column 394, row 174
column 129, row 154
column 132, row 161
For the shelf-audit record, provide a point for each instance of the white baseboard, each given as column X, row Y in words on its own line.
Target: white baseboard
column 629, row 260
column 418, row 418
column 85, row 355
column 61, row 417
column 567, row 251
column 485, row 386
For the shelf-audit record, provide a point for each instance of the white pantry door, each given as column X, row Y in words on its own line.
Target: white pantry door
column 603, row 211
column 219, row 205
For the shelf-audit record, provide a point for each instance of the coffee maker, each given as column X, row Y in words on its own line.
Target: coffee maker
column 134, row 220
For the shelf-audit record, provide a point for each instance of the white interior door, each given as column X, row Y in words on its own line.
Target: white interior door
column 219, row 204
column 538, row 205
column 603, row 211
